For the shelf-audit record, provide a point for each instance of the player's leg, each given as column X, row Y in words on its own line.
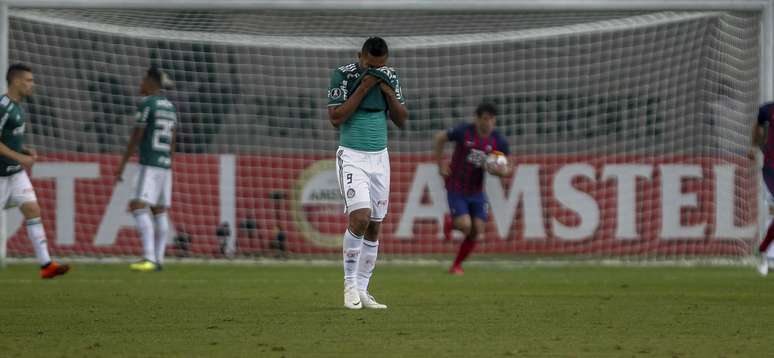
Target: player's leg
column 456, row 220
column 23, row 195
column 460, row 213
column 353, row 183
column 379, row 190
column 765, row 246
column 161, row 220
column 368, row 254
column 351, row 249
column 146, row 194
column 479, row 210
column 161, row 232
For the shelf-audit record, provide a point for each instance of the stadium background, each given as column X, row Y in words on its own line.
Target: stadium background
column 581, row 95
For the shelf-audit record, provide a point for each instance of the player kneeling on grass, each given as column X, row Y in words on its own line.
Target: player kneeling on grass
column 155, row 134
column 362, row 97
column 479, row 147
column 15, row 157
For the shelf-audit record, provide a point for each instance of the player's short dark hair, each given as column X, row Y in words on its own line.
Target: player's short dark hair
column 486, row 107
column 375, row 46
column 15, row 70
column 155, row 75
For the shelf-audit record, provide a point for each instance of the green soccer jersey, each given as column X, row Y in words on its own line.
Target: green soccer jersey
column 366, row 130
column 11, row 134
column 159, row 117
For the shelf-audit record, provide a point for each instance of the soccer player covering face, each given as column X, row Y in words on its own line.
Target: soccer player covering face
column 474, row 143
column 362, row 97
column 765, row 118
column 15, row 157
column 156, row 122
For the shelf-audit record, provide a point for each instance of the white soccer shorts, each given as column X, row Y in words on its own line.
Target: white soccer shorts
column 364, row 180
column 16, row 190
column 154, row 186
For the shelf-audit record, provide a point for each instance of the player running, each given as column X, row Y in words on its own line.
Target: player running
column 362, row 96
column 765, row 118
column 15, row 186
column 156, row 120
column 475, row 142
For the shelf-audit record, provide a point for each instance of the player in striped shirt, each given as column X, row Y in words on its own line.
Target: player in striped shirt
column 766, row 118
column 468, row 205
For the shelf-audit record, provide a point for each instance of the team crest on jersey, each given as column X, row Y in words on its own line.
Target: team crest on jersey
column 335, row 93
column 350, row 193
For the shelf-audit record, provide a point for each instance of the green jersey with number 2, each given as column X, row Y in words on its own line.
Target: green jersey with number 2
column 159, row 117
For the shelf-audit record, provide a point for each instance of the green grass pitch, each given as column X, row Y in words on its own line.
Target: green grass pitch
column 296, row 311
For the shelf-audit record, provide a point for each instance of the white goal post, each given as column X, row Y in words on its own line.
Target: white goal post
column 225, row 161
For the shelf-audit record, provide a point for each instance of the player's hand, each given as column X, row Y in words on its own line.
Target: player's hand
column 369, row 81
column 26, row 161
column 497, row 170
column 443, row 169
column 752, row 153
column 32, row 153
column 119, row 175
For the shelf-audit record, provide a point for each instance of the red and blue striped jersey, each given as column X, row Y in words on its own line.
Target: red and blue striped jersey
column 469, row 158
column 766, row 117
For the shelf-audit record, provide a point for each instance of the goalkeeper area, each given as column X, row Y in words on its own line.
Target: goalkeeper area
column 626, row 230
column 629, row 127
column 294, row 311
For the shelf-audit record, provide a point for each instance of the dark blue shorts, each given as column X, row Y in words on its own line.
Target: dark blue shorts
column 768, row 178
column 474, row 205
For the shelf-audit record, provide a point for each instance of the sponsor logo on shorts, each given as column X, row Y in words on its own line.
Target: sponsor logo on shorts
column 381, row 203
column 350, row 193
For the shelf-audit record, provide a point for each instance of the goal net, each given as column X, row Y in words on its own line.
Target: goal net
column 628, row 129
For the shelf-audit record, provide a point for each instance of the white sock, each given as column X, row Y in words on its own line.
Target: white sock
column 37, row 236
column 365, row 266
column 145, row 227
column 161, row 232
column 351, row 253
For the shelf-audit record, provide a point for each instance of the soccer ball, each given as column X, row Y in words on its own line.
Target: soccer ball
column 496, row 160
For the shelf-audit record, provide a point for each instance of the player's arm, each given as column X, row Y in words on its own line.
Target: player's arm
column 28, row 150
column 339, row 114
column 439, row 141
column 25, row 160
column 172, row 144
column 504, row 170
column 130, row 149
column 501, row 171
column 395, row 102
column 757, row 138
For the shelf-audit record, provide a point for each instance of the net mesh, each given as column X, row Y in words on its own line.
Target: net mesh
column 628, row 129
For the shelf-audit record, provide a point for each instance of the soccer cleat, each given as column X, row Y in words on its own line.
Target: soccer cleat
column 456, row 270
column 368, row 301
column 54, row 269
column 447, row 227
column 763, row 267
column 351, row 297
column 143, row 266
